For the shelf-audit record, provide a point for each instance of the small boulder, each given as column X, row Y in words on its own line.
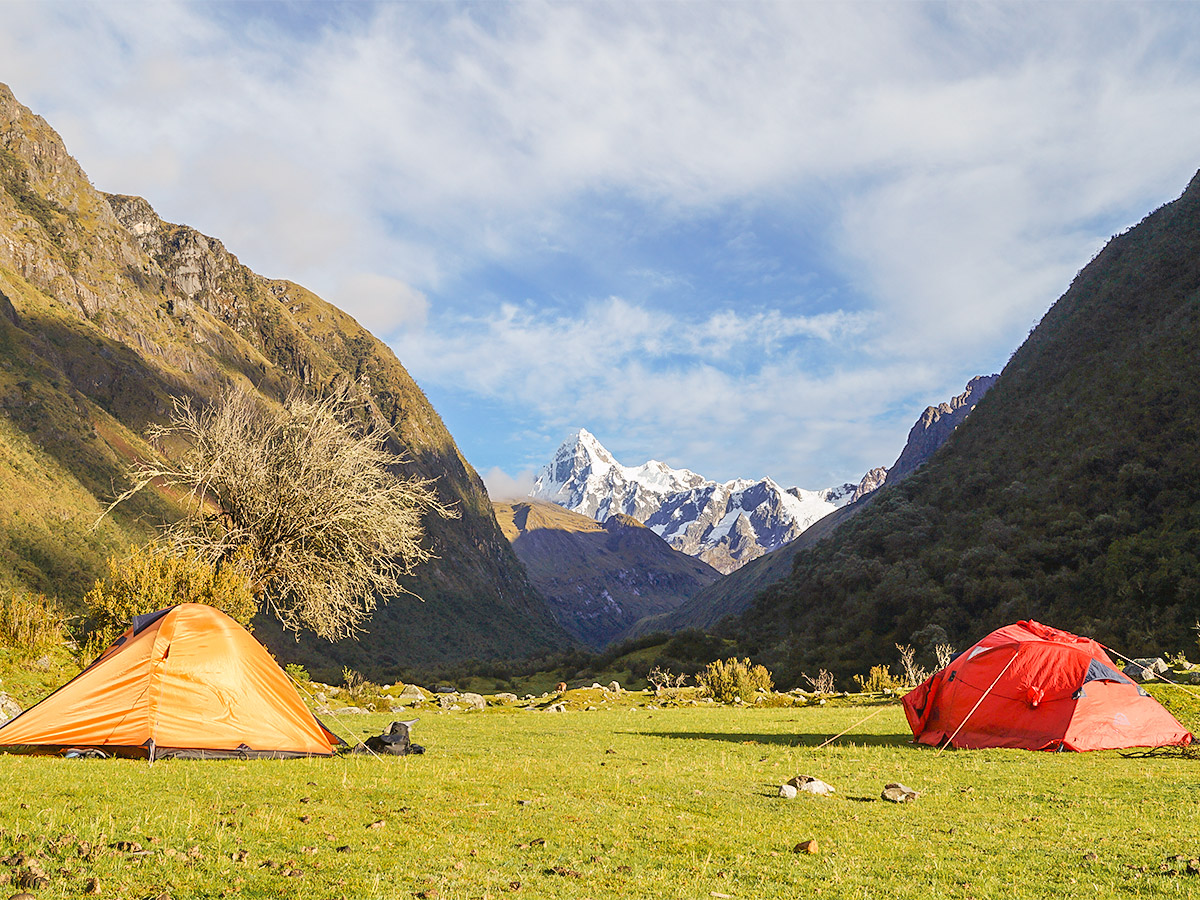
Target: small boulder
column 505, row 697
column 615, row 687
column 473, row 701
column 787, row 791
column 556, row 707
column 810, row 785
column 9, row 708
column 448, row 701
column 809, row 846
column 895, row 792
column 1146, row 669
column 411, row 692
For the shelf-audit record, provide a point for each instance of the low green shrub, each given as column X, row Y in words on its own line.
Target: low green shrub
column 157, row 576
column 725, row 680
column 879, row 679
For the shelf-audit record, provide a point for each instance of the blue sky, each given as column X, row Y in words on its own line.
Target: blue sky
column 744, row 238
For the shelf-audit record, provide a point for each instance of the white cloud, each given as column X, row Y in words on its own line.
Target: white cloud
column 951, row 164
column 502, row 486
column 382, row 304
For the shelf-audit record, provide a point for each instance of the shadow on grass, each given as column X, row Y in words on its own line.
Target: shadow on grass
column 786, row 740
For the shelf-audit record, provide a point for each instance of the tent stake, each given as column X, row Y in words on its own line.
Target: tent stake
column 977, row 702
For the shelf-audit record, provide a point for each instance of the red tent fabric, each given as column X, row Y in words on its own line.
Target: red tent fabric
column 1038, row 688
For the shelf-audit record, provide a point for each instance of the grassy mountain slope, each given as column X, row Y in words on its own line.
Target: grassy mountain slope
column 599, row 578
column 108, row 312
column 1071, row 494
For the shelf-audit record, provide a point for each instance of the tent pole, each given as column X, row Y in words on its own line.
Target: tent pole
column 977, row 702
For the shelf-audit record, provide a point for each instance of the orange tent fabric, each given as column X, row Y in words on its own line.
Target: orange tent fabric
column 185, row 681
column 1035, row 687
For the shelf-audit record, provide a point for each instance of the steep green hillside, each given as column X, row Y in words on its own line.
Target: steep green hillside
column 1071, row 494
column 600, row 579
column 107, row 312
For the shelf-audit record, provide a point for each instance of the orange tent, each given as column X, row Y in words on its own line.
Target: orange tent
column 185, row 681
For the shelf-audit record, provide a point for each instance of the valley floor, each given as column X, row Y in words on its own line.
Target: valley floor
column 619, row 802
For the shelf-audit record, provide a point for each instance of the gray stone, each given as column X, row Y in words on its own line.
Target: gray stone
column 615, row 687
column 448, row 701
column 504, row 697
column 473, row 701
column 1146, row 669
column 787, row 791
column 810, row 785
column 556, row 707
column 9, row 709
column 411, row 692
column 894, row 792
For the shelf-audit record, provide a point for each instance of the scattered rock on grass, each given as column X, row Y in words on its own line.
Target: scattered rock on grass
column 809, row 846
column 898, row 793
column 787, row 791
column 9, row 709
column 810, row 785
column 1146, row 669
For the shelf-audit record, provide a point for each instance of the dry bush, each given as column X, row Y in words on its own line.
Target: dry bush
column 944, row 653
column 822, row 684
column 309, row 501
column 725, row 680
column 31, row 623
column 662, row 679
column 912, row 674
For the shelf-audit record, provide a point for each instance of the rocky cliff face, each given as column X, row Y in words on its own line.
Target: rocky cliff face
column 725, row 524
column 928, row 433
column 109, row 312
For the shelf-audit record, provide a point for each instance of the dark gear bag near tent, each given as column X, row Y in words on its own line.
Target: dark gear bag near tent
column 185, row 681
column 1035, row 687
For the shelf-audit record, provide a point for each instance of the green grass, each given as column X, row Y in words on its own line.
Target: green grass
column 643, row 802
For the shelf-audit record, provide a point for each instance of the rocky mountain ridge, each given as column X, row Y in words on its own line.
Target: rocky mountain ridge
column 724, row 524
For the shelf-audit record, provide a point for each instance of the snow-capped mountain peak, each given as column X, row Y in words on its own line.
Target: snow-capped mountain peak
column 725, row 524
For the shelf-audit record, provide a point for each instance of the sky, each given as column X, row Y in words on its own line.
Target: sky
column 749, row 239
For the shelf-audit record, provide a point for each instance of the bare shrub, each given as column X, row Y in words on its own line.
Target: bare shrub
column 944, row 654
column 822, row 684
column 303, row 497
column 661, row 680
column 912, row 674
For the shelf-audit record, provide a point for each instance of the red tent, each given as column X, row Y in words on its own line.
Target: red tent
column 1032, row 686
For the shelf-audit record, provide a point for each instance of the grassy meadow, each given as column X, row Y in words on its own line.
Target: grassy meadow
column 626, row 800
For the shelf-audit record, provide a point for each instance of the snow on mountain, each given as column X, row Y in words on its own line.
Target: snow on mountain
column 725, row 524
